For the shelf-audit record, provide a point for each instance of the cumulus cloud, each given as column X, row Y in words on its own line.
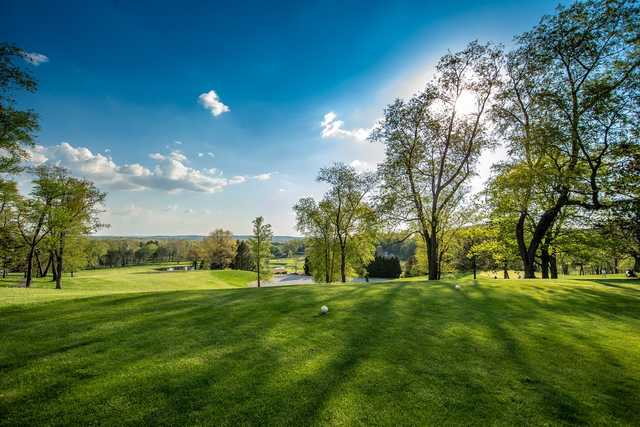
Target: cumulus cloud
column 263, row 176
column 170, row 172
column 200, row 154
column 34, row 58
column 212, row 102
column 332, row 128
column 210, row 154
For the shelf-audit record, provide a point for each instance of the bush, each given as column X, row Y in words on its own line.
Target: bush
column 386, row 267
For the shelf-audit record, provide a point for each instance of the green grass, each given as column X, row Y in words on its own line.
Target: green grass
column 92, row 283
column 288, row 263
column 129, row 347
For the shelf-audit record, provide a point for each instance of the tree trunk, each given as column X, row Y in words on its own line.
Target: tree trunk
column 615, row 265
column 474, row 267
column 528, row 262
column 544, row 261
column 343, row 264
column 54, row 269
column 636, row 263
column 565, row 269
column 505, row 271
column 553, row 265
column 542, row 227
column 29, row 273
column 326, row 263
column 60, row 263
column 432, row 256
column 46, row 269
column 258, row 261
column 37, row 255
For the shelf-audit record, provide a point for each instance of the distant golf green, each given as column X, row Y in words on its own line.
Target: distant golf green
column 135, row 346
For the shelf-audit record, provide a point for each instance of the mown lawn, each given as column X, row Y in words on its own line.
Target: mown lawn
column 91, row 283
column 184, row 351
column 295, row 264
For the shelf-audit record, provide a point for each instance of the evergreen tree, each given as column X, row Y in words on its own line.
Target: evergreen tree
column 243, row 259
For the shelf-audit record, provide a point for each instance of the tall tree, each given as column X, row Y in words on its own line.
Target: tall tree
column 260, row 244
column 565, row 108
column 352, row 217
column 432, row 144
column 17, row 127
column 11, row 246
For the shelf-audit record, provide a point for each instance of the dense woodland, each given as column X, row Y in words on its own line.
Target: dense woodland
column 564, row 101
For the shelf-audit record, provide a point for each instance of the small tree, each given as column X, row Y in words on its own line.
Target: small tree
column 261, row 247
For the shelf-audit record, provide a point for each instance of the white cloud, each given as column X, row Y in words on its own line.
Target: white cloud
column 212, row 102
column 107, row 150
column 37, row 155
column 263, row 176
column 361, row 166
column 332, row 128
column 210, row 154
column 282, row 190
column 238, row 179
column 177, row 142
column 200, row 154
column 34, row 58
column 169, row 173
column 177, row 155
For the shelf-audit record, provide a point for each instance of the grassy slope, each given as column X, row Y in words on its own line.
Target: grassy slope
column 409, row 352
column 121, row 280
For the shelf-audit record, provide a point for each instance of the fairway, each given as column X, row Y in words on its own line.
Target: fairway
column 132, row 346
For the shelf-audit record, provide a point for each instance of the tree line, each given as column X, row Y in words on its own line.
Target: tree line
column 563, row 102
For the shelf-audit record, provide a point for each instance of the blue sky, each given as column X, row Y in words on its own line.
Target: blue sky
column 129, row 90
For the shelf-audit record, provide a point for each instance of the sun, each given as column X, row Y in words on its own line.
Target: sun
column 466, row 104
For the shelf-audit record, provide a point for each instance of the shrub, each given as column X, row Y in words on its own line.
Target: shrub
column 387, row 267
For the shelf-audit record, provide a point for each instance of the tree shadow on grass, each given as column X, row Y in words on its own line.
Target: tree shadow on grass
column 385, row 354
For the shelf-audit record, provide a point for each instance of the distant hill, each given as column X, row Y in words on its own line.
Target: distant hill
column 276, row 239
